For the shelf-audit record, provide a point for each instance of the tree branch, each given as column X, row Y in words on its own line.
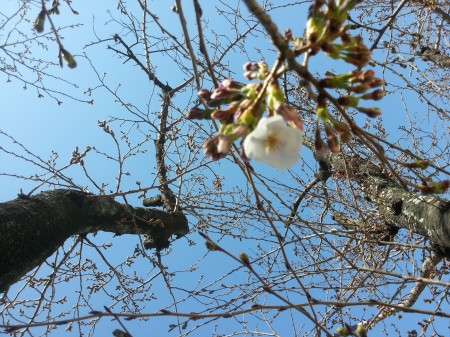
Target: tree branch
column 421, row 214
column 33, row 228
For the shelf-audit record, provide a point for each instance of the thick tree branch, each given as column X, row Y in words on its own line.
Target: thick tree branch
column 421, row 214
column 32, row 228
column 434, row 56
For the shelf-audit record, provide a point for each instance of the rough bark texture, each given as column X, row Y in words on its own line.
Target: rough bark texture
column 434, row 56
column 421, row 214
column 32, row 228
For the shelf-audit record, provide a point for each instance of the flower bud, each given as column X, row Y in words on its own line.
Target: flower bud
column 375, row 95
column 315, row 27
column 361, row 331
column 225, row 116
column 212, row 246
column 322, row 113
column 346, row 39
column 224, row 96
column 251, row 66
column 257, row 70
column 438, row 187
column 220, row 94
column 224, row 145
column 288, row 36
column 370, row 112
column 197, row 113
column 358, row 55
column 210, row 148
column 332, row 141
column 330, row 50
column 348, row 101
column 71, row 63
column 319, row 145
column 359, row 89
column 336, row 82
column 40, row 21
column 230, row 84
column 343, row 131
column 342, row 331
column 376, row 82
column 362, row 76
column 204, row 95
column 289, row 115
column 244, row 258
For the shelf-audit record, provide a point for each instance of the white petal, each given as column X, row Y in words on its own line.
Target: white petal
column 274, row 143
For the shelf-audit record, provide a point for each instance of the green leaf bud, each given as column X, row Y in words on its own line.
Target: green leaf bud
column 244, row 258
column 40, row 21
column 211, row 246
column 361, row 331
column 322, row 113
column 342, row 331
column 71, row 63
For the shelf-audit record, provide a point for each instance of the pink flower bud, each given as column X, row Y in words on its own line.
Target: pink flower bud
column 197, row 113
column 289, row 115
column 375, row 95
column 204, row 95
column 211, row 150
column 225, row 116
column 332, row 141
column 370, row 112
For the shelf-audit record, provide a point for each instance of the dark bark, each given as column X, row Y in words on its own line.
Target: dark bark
column 434, row 56
column 32, row 228
column 421, row 214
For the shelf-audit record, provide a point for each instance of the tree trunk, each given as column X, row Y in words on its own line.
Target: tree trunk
column 32, row 228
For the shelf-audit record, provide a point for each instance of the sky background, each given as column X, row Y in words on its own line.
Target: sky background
column 45, row 128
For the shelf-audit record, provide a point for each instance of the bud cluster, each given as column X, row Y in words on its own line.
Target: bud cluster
column 326, row 24
column 256, row 70
column 246, row 105
column 356, row 84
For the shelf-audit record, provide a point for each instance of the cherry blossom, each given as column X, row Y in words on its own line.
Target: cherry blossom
column 274, row 143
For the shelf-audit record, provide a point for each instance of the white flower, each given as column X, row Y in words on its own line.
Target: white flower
column 274, row 143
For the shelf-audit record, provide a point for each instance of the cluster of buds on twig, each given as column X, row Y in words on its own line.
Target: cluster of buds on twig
column 325, row 24
column 256, row 70
column 246, row 105
column 356, row 85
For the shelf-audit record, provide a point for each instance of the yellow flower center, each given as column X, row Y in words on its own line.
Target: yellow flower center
column 272, row 141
